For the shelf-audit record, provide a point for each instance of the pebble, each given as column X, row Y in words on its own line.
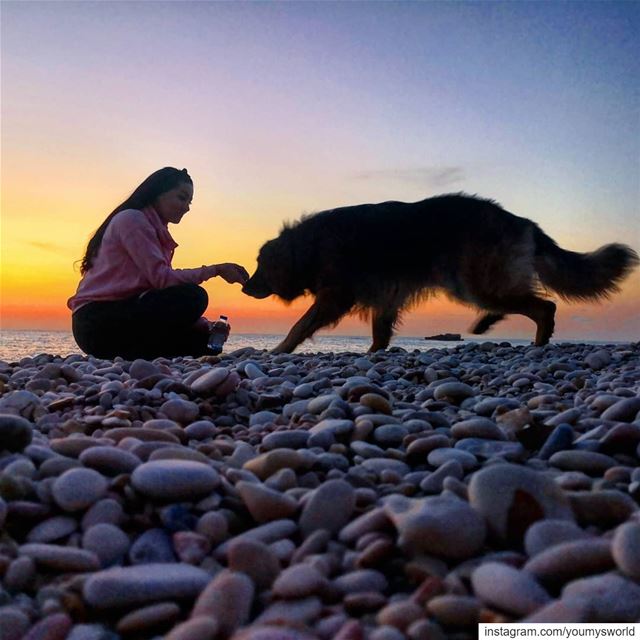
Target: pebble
column 213, row 526
column 88, row 632
column 479, row 427
column 293, row 613
column 60, row 558
column 190, row 547
column 52, row 529
column 144, row 434
column 598, row 359
column 175, row 480
column 108, row 542
column 433, row 482
column 625, row 548
column 386, row 632
column 378, row 465
column 256, row 559
column 178, row 453
column 153, row 546
column 182, row 411
column 569, row 560
column 227, row 599
column 334, row 426
column 265, row 504
column 557, row 611
column 78, row 489
column 13, row 623
column 109, row 461
column 329, row 508
column 588, row 462
column 15, row 432
column 20, row 574
column 559, row 439
column 275, row 632
column 455, row 610
column 481, row 448
column 453, row 391
column 299, row 581
column 292, row 439
column 127, row 586
column 376, row 402
column 149, row 617
column 200, row 430
column 400, row 615
column 207, row 383
column 605, row 508
column 107, row 511
column 625, row 410
column 511, row 498
column 268, row 463
column 334, row 496
column 52, row 627
column 269, row 532
column 547, row 533
column 508, row 589
column 439, row 526
column 361, row 580
column 389, row 435
column 197, row 628
column 141, row 369
column 610, row 598
column 442, row 455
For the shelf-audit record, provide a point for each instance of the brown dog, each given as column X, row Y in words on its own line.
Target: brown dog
column 379, row 259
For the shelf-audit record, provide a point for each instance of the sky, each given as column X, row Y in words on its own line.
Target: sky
column 283, row 108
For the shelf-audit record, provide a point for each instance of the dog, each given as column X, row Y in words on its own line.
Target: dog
column 380, row 259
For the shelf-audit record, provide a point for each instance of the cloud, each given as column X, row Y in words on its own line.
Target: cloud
column 432, row 177
column 582, row 319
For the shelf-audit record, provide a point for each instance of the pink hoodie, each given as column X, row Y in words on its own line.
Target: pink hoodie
column 134, row 256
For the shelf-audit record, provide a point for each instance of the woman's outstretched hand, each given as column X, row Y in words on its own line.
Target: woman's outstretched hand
column 232, row 272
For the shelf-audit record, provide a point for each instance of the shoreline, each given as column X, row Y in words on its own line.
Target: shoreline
column 401, row 494
column 18, row 344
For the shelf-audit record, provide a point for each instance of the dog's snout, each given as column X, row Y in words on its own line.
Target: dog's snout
column 256, row 287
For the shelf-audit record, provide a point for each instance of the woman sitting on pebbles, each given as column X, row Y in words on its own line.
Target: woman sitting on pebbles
column 130, row 301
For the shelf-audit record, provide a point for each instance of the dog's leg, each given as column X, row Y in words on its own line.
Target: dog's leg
column 330, row 305
column 543, row 314
column 382, row 323
column 541, row 311
column 485, row 322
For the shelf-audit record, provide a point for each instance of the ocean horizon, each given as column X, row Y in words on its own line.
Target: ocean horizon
column 17, row 344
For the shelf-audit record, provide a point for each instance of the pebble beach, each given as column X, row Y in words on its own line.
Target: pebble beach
column 399, row 495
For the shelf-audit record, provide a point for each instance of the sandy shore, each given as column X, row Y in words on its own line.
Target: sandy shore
column 397, row 495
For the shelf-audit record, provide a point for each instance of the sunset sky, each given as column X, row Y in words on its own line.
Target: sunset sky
column 283, row 108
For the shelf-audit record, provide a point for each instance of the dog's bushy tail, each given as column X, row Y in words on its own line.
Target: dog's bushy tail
column 582, row 276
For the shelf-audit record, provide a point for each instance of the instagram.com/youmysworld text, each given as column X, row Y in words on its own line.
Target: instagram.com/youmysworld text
column 557, row 630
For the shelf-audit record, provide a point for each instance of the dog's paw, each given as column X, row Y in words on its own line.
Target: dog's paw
column 484, row 323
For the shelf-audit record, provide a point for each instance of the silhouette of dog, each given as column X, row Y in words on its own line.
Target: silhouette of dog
column 380, row 259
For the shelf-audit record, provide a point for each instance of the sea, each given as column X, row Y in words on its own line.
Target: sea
column 15, row 345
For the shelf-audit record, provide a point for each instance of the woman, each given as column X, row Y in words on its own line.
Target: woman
column 130, row 301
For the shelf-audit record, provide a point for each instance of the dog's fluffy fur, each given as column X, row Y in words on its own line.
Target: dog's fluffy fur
column 379, row 259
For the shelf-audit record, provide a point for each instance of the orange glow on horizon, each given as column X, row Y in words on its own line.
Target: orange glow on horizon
column 44, row 232
column 46, row 225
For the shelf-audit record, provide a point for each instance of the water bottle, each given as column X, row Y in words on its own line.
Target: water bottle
column 218, row 335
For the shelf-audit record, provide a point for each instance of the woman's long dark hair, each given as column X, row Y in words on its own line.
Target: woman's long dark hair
column 145, row 194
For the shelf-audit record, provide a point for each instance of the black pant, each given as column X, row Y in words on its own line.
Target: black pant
column 160, row 322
